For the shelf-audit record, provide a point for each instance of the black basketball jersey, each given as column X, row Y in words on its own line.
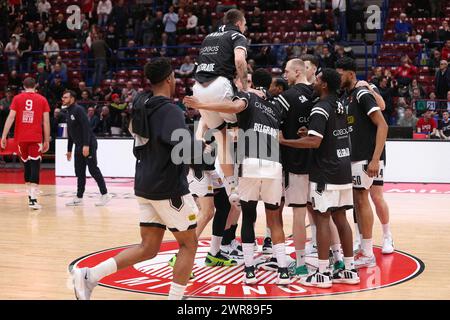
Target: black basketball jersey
column 297, row 104
column 260, row 122
column 216, row 56
column 360, row 103
column 331, row 163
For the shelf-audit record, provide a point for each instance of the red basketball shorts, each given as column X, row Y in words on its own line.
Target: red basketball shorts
column 30, row 151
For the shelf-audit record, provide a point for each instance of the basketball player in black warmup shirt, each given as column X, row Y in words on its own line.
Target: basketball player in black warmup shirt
column 330, row 179
column 368, row 133
column 222, row 54
column 260, row 170
column 297, row 104
column 161, row 186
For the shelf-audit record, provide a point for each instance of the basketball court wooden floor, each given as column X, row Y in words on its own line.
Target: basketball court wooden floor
column 36, row 247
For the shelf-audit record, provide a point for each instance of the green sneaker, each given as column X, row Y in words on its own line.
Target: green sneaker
column 172, row 261
column 301, row 270
column 219, row 260
column 338, row 265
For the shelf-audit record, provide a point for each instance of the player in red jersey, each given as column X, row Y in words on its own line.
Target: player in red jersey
column 30, row 112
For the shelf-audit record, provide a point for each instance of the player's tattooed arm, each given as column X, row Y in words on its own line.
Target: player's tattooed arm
column 309, row 142
column 226, row 106
column 241, row 66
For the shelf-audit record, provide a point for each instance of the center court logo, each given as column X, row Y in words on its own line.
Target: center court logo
column 154, row 276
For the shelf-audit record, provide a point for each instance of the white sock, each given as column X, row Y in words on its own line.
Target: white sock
column 323, row 265
column 336, row 249
column 279, row 251
column 349, row 263
column 357, row 234
column 247, row 249
column 313, row 234
column 268, row 233
column 300, row 257
column 215, row 245
column 367, row 247
column 386, row 230
column 102, row 270
column 33, row 190
column 176, row 291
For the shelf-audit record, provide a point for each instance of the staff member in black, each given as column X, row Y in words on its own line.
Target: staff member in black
column 80, row 133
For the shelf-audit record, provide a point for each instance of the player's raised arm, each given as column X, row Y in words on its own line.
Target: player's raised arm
column 241, row 66
column 226, row 106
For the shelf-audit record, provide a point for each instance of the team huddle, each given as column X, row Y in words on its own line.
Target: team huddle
column 317, row 147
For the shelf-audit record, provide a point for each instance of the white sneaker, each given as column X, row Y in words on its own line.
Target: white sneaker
column 32, row 203
column 388, row 245
column 82, row 286
column 346, row 276
column 75, row 202
column 317, row 279
column 230, row 252
column 104, row 199
column 283, row 276
column 363, row 261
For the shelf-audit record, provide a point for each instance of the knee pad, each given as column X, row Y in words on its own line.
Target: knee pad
column 248, row 220
column 35, row 167
column 223, row 206
column 27, row 171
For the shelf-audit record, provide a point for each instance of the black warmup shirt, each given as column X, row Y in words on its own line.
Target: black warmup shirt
column 360, row 103
column 261, row 117
column 216, row 56
column 330, row 162
column 297, row 104
column 79, row 130
column 445, row 127
column 157, row 177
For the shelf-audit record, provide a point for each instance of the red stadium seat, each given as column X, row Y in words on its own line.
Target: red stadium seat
column 11, row 148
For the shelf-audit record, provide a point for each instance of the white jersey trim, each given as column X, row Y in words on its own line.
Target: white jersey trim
column 315, row 133
column 373, row 110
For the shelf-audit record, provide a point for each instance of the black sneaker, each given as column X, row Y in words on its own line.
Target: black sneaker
column 250, row 275
column 283, row 276
column 32, row 203
column 317, row 279
column 267, row 246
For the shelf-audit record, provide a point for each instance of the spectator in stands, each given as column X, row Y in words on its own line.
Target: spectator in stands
column 256, row 22
column 94, row 120
column 170, row 26
column 5, row 103
column 12, row 53
column 86, row 100
column 414, row 85
column 51, row 48
column 129, row 92
column 408, row 119
column 278, row 52
column 355, row 15
column 55, row 121
column 42, row 78
column 14, row 82
column 42, row 35
column 405, row 72
column 414, row 37
column 146, row 30
column 192, row 22
column 60, row 61
column 56, row 90
column 104, row 9
column 387, row 92
column 434, row 61
column 24, row 53
column 59, row 29
column 191, row 115
column 100, row 51
column 319, row 20
column 187, row 68
column 104, row 128
column 298, row 50
column 119, row 16
column 340, row 18
column 131, row 54
column 427, row 124
column 158, row 28
column 112, row 39
column 118, row 114
column 402, row 28
column 32, row 37
column 445, row 53
column 435, row 6
column 444, row 32
column 98, row 95
column 429, row 37
column 442, row 80
column 263, row 57
column 113, row 88
column 43, row 8
column 204, row 21
column 226, row 5
column 326, row 58
column 444, row 126
column 58, row 73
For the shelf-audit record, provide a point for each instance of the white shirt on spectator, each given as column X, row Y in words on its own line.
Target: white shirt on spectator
column 192, row 22
column 44, row 7
column 11, row 47
column 187, row 67
column 170, row 20
column 104, row 7
column 49, row 47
